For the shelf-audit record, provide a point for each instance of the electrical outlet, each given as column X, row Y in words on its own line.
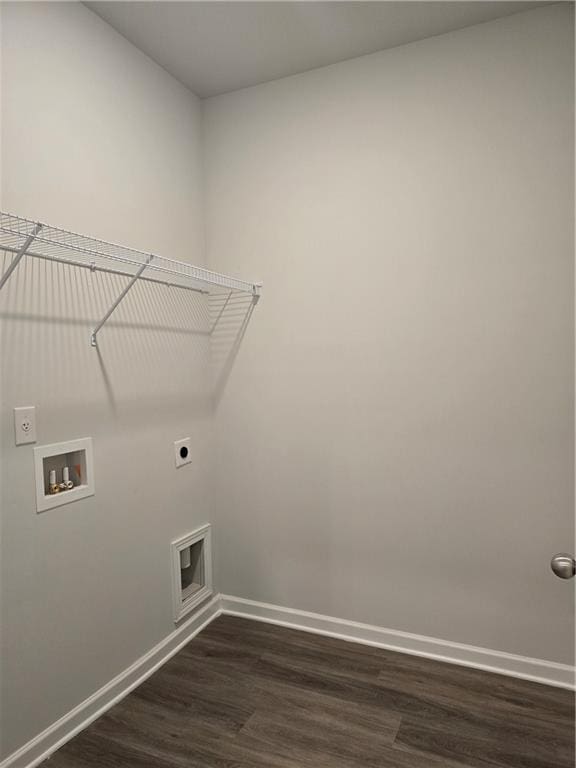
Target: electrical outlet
column 25, row 424
column 182, row 454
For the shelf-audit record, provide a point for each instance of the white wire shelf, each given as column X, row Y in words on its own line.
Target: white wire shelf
column 24, row 237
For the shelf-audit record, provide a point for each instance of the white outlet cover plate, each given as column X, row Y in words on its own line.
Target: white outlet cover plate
column 182, row 447
column 25, row 424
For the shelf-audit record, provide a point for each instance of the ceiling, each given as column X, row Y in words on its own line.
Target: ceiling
column 216, row 47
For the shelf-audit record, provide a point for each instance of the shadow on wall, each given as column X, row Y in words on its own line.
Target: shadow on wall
column 231, row 315
column 162, row 343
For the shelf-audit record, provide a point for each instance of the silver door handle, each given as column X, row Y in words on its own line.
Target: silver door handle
column 563, row 565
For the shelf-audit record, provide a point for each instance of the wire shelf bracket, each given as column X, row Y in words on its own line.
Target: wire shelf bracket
column 93, row 340
column 24, row 237
column 19, row 254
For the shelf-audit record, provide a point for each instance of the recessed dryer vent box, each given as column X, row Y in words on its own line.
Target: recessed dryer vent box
column 74, row 454
column 191, row 570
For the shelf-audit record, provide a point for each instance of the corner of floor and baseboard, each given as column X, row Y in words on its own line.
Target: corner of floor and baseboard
column 52, row 738
column 499, row 662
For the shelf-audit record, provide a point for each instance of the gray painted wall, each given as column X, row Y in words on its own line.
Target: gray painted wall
column 398, row 417
column 96, row 138
column 394, row 442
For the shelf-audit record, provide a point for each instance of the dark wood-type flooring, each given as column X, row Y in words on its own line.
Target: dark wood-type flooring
column 244, row 694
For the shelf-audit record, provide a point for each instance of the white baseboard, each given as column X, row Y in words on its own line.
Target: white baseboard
column 51, row 739
column 57, row 734
column 537, row 670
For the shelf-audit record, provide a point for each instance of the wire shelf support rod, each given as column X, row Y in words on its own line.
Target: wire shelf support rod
column 16, row 260
column 93, row 340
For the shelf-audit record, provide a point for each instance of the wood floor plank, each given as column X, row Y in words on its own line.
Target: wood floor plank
column 484, row 718
column 321, row 734
column 319, row 743
column 335, row 681
column 476, row 689
column 89, row 750
column 472, row 742
column 259, row 691
column 244, row 694
column 200, row 694
column 323, row 652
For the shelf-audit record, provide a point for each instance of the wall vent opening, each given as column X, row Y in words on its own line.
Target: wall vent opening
column 191, row 570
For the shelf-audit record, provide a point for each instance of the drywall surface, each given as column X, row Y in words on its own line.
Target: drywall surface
column 395, row 438
column 98, row 139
